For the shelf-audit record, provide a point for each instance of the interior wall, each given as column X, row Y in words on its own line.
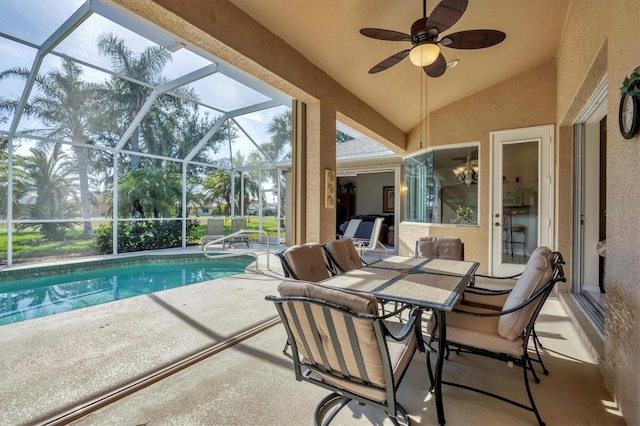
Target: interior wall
column 369, row 191
column 602, row 38
column 525, row 100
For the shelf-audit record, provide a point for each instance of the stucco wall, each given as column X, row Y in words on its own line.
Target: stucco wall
column 603, row 38
column 526, row 100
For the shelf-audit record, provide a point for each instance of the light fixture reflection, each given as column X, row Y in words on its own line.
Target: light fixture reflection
column 466, row 174
column 424, row 54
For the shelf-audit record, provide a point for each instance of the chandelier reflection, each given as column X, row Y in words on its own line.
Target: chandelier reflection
column 466, row 174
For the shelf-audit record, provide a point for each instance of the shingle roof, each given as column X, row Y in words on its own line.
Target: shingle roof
column 359, row 146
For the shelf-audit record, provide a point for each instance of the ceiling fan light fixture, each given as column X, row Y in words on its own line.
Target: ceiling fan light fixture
column 424, row 54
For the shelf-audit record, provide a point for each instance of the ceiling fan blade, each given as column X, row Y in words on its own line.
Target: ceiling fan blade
column 446, row 13
column 473, row 39
column 437, row 68
column 381, row 34
column 389, row 62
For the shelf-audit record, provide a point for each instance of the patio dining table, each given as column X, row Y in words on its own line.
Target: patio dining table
column 434, row 284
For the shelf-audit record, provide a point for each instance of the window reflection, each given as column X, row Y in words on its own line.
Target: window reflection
column 433, row 192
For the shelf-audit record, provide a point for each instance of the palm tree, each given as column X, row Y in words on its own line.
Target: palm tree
column 280, row 129
column 68, row 108
column 218, row 184
column 129, row 97
column 49, row 171
column 19, row 179
column 150, row 191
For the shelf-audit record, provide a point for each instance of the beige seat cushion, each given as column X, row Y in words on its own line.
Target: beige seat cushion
column 498, row 301
column 307, row 262
column 400, row 353
column 478, row 332
column 439, row 248
column 345, row 254
column 536, row 274
column 358, row 302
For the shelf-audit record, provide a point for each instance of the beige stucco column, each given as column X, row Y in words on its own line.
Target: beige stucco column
column 320, row 156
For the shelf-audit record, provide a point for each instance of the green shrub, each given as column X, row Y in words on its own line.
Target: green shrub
column 138, row 236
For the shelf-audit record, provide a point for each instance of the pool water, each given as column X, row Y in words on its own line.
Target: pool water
column 24, row 299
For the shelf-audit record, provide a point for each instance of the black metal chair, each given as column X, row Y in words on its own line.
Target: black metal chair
column 305, row 262
column 494, row 299
column 472, row 328
column 343, row 255
column 340, row 343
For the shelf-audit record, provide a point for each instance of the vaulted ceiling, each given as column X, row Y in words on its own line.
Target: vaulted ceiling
column 327, row 33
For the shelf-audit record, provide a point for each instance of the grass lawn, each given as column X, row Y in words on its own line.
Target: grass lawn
column 269, row 224
column 30, row 245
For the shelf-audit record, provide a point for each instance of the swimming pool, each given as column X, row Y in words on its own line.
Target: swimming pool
column 28, row 298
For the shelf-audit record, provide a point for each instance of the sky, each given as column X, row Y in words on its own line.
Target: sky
column 35, row 20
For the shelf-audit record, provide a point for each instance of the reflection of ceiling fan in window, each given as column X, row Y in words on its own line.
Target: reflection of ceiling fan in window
column 425, row 31
column 468, row 172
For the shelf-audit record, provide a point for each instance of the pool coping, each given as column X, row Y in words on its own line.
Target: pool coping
column 71, row 265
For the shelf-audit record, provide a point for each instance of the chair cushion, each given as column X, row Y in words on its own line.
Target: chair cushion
column 439, row 248
column 478, row 332
column 358, row 302
column 345, row 254
column 307, row 262
column 400, row 353
column 536, row 274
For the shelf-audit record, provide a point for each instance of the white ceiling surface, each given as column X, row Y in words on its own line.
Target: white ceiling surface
column 327, row 33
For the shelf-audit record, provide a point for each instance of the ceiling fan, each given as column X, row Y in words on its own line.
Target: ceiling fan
column 424, row 38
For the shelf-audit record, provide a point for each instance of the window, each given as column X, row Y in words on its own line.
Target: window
column 442, row 186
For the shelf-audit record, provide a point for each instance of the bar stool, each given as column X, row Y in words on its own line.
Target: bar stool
column 513, row 232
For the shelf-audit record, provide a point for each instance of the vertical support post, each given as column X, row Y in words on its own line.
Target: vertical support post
column 184, row 204
column 321, row 155
column 114, row 215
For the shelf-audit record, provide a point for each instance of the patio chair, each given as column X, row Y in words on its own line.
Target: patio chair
column 342, row 255
column 340, row 343
column 239, row 224
column 373, row 244
column 214, row 231
column 451, row 248
column 305, row 262
column 494, row 298
column 352, row 227
column 504, row 334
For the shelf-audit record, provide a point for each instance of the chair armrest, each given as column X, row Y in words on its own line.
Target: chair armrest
column 532, row 298
column 393, row 313
column 486, row 291
column 409, row 327
column 498, row 278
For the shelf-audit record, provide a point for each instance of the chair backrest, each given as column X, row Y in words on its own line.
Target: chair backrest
column 538, row 271
column 215, row 226
column 339, row 337
column 375, row 233
column 352, row 227
column 450, row 248
column 306, row 262
column 238, row 223
column 343, row 254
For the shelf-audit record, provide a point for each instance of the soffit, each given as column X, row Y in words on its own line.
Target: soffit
column 327, row 33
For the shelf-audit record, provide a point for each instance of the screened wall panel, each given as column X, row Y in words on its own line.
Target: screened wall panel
column 113, row 113
column 33, row 22
column 17, row 59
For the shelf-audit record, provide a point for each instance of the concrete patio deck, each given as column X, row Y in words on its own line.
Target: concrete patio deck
column 53, row 364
